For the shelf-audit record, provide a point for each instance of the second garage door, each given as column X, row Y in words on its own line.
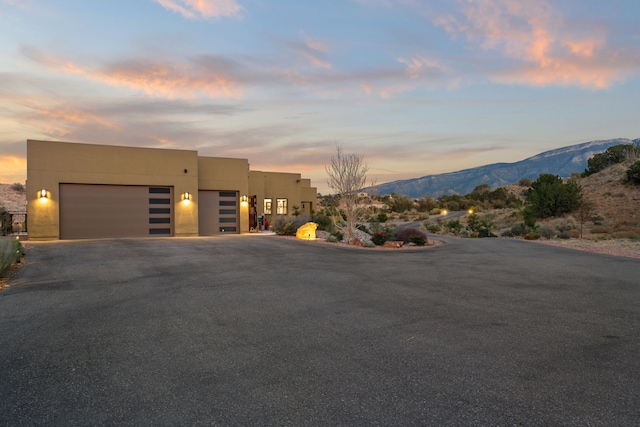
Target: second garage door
column 218, row 212
column 99, row 211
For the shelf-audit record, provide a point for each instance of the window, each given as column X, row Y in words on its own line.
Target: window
column 267, row 206
column 281, row 206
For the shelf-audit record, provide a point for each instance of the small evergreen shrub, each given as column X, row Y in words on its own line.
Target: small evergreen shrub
column 338, row 235
column 379, row 237
column 633, row 173
column 368, row 244
column 324, row 222
column 382, row 217
column 411, row 235
column 332, row 238
column 363, row 228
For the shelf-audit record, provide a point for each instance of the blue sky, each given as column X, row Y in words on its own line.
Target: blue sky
column 416, row 86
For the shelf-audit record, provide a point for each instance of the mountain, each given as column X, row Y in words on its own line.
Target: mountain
column 561, row 161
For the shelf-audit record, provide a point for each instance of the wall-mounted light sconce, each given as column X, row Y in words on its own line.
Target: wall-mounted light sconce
column 244, row 199
column 42, row 193
column 186, row 196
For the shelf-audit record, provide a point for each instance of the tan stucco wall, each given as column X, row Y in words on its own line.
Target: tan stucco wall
column 52, row 163
column 224, row 174
column 281, row 185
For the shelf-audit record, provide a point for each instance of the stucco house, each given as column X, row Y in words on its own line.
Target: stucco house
column 77, row 191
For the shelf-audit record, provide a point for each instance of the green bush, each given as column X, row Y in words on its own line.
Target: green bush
column 431, row 227
column 363, row 228
column 368, row 244
column 379, row 237
column 633, row 173
column 411, row 235
column 454, row 224
column 518, row 229
column 332, row 238
column 324, row 222
column 382, row 217
column 547, row 232
column 11, row 251
column 550, row 196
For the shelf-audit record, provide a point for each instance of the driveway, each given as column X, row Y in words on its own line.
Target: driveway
column 254, row 330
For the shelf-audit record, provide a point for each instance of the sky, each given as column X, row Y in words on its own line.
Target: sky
column 417, row 87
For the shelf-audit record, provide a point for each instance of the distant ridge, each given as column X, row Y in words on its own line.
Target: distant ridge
column 561, row 161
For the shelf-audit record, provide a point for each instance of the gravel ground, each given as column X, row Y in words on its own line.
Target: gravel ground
column 616, row 247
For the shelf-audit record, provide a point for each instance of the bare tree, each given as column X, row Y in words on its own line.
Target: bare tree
column 585, row 212
column 348, row 174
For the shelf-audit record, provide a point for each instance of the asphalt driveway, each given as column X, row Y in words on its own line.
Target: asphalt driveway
column 254, row 330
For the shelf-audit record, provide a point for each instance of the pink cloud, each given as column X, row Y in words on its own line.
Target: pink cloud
column 193, row 9
column 167, row 79
column 534, row 36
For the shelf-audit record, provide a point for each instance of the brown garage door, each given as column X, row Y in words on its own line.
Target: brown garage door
column 98, row 211
column 218, row 212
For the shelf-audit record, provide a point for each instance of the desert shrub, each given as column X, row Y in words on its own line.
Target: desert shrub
column 547, row 232
column 332, row 238
column 532, row 235
column 574, row 234
column 601, row 229
column 379, row 237
column 338, row 235
column 507, row 233
column 5, row 222
column 17, row 187
column 368, row 244
column 454, row 224
column 431, row 227
column 11, row 251
column 564, row 235
column 289, row 226
column 324, row 222
column 411, row 235
column 485, row 232
column 382, row 217
column 597, row 219
column 633, row 173
column 525, row 182
column 566, row 226
column 362, row 228
column 518, row 229
column 473, row 234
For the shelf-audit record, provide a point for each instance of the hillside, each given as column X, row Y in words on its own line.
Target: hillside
column 12, row 201
column 562, row 162
column 615, row 200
